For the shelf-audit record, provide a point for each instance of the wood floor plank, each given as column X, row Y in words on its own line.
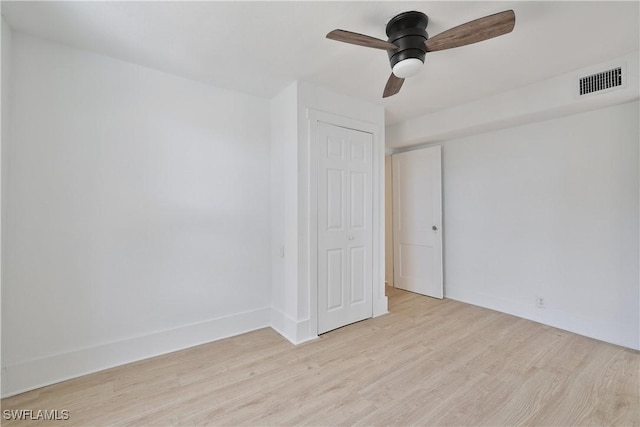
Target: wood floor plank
column 428, row 362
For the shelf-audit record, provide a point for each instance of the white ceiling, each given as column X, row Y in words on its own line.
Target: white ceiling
column 260, row 47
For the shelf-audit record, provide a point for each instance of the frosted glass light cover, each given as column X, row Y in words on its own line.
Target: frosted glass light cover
column 407, row 68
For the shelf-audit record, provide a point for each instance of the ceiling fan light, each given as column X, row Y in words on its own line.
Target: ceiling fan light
column 407, row 68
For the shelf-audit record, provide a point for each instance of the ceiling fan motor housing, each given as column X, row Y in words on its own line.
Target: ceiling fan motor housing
column 407, row 31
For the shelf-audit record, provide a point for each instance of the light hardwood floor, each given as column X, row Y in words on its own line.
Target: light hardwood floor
column 428, row 362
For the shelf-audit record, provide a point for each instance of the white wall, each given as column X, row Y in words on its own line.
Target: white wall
column 137, row 214
column 284, row 211
column 549, row 209
column 5, row 90
column 546, row 99
column 388, row 219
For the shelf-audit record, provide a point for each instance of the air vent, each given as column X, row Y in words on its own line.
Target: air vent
column 601, row 81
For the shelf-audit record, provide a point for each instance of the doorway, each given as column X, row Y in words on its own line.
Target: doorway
column 417, row 221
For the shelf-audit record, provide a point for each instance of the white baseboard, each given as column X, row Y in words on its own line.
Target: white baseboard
column 381, row 306
column 296, row 332
column 32, row 374
column 283, row 324
column 611, row 332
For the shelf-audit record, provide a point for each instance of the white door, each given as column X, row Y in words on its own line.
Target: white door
column 345, row 232
column 417, row 221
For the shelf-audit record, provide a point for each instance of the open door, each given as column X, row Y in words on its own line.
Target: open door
column 417, row 221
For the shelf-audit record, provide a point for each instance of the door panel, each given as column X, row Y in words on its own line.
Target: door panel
column 335, row 284
column 345, row 232
column 357, row 265
column 358, row 202
column 417, row 216
column 335, row 207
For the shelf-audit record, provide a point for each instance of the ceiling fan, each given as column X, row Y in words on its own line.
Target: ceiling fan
column 408, row 41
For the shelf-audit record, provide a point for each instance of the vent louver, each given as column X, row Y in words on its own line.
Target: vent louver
column 601, row 81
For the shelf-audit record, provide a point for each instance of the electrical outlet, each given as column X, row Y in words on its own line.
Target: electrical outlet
column 540, row 302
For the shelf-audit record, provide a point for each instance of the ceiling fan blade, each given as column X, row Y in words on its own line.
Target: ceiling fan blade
column 474, row 31
column 360, row 40
column 393, row 86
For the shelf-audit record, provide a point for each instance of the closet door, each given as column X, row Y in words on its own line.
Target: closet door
column 345, row 231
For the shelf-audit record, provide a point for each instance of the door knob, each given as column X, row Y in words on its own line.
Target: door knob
column 434, row 228
column 350, row 237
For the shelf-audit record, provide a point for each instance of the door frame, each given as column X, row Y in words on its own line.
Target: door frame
column 379, row 300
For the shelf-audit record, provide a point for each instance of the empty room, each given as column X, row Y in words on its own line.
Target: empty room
column 320, row 213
